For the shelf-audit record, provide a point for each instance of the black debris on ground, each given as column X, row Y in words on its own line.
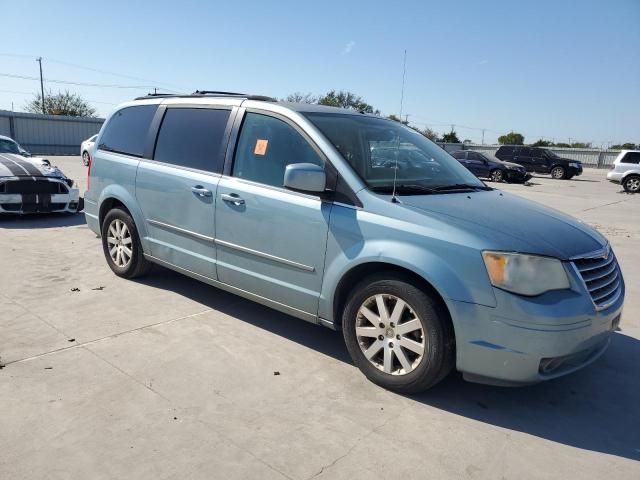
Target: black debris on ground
column 101, row 287
column 75, row 289
column 276, row 373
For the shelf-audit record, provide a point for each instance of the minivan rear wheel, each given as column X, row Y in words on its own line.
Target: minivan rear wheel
column 399, row 336
column 631, row 184
column 558, row 172
column 121, row 245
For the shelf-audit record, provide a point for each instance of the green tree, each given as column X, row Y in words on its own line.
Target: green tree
column 542, row 143
column 625, row 146
column 344, row 99
column 581, row 145
column 511, row 138
column 562, row 145
column 395, row 118
column 430, row 134
column 62, row 103
column 451, row 137
column 298, row 97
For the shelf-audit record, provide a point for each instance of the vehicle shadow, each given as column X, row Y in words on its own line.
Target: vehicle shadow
column 42, row 220
column 596, row 409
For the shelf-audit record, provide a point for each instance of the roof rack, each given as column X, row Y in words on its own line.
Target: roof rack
column 212, row 93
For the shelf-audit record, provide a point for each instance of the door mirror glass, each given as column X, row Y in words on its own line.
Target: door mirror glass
column 305, row 177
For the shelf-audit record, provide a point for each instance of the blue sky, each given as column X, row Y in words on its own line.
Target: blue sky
column 559, row 69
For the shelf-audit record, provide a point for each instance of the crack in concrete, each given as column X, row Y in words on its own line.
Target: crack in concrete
column 90, row 342
column 352, row 448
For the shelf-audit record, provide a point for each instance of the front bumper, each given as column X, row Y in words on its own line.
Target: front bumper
column 16, row 203
column 517, row 176
column 524, row 341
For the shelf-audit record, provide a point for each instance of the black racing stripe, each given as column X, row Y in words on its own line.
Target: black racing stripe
column 13, row 168
column 29, row 167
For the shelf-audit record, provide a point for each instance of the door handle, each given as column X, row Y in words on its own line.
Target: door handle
column 232, row 198
column 201, row 191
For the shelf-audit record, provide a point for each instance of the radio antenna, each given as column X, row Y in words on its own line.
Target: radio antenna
column 395, row 168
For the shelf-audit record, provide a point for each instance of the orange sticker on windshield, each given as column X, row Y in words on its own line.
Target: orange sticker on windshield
column 261, row 147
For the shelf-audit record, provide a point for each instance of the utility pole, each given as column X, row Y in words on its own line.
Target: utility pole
column 404, row 72
column 406, row 119
column 39, row 60
column 483, row 135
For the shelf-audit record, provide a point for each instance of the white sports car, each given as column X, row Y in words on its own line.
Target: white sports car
column 32, row 185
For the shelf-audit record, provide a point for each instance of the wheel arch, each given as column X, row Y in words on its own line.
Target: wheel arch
column 363, row 270
column 116, row 196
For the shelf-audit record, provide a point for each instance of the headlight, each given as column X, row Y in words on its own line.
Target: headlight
column 525, row 274
column 574, row 164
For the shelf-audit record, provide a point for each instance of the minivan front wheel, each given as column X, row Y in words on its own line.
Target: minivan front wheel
column 121, row 245
column 558, row 172
column 399, row 336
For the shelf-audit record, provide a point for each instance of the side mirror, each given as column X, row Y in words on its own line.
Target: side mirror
column 305, row 177
column 24, row 153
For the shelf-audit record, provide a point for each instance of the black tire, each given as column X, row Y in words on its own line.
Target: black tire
column 137, row 265
column 438, row 339
column 85, row 158
column 496, row 175
column 631, row 184
column 558, row 172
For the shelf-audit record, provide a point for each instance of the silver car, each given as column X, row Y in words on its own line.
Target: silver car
column 86, row 148
column 626, row 170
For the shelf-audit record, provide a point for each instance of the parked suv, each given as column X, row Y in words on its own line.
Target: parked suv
column 540, row 160
column 626, row 170
column 497, row 170
column 423, row 268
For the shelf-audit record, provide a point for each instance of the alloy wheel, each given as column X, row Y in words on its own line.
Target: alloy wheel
column 496, row 175
column 633, row 184
column 557, row 173
column 85, row 158
column 119, row 242
column 390, row 334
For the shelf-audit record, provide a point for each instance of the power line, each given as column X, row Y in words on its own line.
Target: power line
column 91, row 69
column 82, row 84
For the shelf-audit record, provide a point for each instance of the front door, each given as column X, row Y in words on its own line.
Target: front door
column 177, row 189
column 477, row 164
column 271, row 241
column 523, row 157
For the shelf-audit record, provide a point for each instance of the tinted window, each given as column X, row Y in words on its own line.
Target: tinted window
column 127, row 130
column 474, row 156
column 505, row 151
column 192, row 137
column 459, row 155
column 266, row 146
column 525, row 152
column 631, row 157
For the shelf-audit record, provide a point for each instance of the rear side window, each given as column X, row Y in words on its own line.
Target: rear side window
column 459, row 155
column 127, row 130
column 266, row 146
column 506, row 151
column 192, row 137
column 631, row 157
column 525, row 152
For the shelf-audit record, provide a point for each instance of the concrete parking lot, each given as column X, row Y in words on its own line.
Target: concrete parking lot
column 165, row 377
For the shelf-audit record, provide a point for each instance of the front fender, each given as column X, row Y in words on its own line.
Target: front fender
column 454, row 269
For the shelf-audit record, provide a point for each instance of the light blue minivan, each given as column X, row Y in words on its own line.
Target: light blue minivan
column 359, row 224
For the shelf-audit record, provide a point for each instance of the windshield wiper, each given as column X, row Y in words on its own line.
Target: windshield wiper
column 405, row 188
column 461, row 186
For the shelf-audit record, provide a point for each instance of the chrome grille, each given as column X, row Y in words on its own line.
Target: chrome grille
column 601, row 276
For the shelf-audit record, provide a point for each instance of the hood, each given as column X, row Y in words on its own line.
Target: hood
column 511, row 223
column 14, row 165
column 508, row 164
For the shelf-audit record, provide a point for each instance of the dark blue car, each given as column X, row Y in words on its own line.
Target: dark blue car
column 496, row 170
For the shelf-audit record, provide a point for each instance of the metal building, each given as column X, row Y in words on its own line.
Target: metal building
column 48, row 134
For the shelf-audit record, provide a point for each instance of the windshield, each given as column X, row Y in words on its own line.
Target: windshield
column 7, row 146
column 374, row 146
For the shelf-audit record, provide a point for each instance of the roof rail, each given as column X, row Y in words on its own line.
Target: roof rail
column 213, row 93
